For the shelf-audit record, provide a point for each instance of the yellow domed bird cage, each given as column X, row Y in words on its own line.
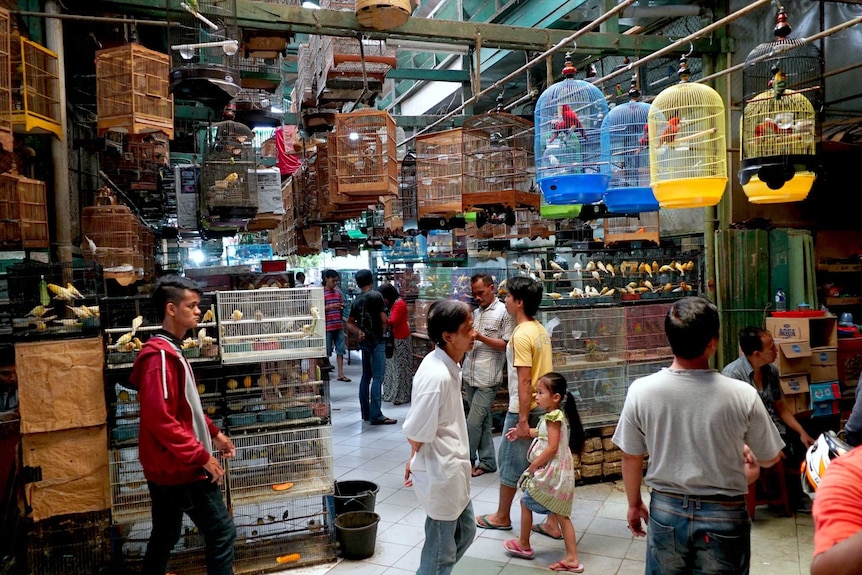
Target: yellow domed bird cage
column 779, row 130
column 687, row 145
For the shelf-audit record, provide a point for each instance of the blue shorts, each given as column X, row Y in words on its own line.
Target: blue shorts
column 336, row 339
column 512, row 457
column 533, row 505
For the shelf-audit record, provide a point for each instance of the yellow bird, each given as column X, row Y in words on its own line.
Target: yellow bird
column 236, row 315
column 208, row 316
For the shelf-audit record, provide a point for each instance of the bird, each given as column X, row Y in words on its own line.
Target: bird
column 668, row 135
column 644, row 141
column 569, row 121
column 765, row 128
column 779, row 82
column 91, row 244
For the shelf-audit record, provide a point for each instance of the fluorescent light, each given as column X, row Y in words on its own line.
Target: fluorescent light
column 310, row 4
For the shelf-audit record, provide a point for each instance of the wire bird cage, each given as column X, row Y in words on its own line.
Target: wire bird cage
column 625, row 149
column 74, row 544
column 407, row 187
column 645, row 336
column 129, row 545
column 438, row 174
column 687, row 145
column 569, row 164
column 272, row 465
column 497, row 163
column 228, row 176
column 639, row 227
column 5, row 81
column 363, row 161
column 204, row 41
column 283, row 534
column 260, row 325
column 36, row 81
column 783, row 85
column 133, row 92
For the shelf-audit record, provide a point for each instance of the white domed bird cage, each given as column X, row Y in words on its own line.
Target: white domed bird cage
column 498, row 165
column 228, row 182
column 568, row 119
column 687, row 145
column 204, row 41
column 625, row 148
column 783, row 86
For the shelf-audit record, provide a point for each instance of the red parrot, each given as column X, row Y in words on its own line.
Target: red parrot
column 570, row 120
column 644, row 141
column 668, row 135
column 769, row 128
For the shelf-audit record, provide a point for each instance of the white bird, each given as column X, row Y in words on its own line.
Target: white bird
column 91, row 244
column 555, row 266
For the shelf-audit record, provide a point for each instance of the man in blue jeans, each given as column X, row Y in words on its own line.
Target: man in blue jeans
column 695, row 424
column 368, row 321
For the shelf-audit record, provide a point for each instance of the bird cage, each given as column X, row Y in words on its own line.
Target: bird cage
column 625, row 149
column 363, row 161
column 438, row 174
column 35, row 97
column 114, row 238
column 228, row 182
column 133, row 92
column 407, row 187
column 204, row 44
column 783, row 86
column 687, row 145
column 23, row 212
column 352, row 69
column 5, row 81
column 569, row 164
column 497, row 162
column 642, row 227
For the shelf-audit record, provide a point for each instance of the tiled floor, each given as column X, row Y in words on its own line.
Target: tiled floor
column 781, row 546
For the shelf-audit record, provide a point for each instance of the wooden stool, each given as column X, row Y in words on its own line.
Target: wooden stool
column 762, row 493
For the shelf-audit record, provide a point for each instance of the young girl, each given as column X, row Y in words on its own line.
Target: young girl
column 548, row 484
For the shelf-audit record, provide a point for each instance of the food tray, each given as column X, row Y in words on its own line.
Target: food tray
column 299, row 412
column 241, row 418
column 801, row 313
column 270, row 416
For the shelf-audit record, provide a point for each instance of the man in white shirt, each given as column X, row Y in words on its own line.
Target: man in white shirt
column 439, row 465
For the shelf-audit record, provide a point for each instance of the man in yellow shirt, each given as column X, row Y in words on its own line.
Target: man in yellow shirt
column 528, row 355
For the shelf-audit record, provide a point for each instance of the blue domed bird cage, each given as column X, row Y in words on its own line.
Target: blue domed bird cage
column 783, row 86
column 625, row 148
column 687, row 144
column 568, row 119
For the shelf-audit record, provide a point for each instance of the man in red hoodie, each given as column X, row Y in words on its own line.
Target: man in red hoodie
column 176, row 438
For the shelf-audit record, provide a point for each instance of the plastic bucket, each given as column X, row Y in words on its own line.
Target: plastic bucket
column 354, row 495
column 356, row 534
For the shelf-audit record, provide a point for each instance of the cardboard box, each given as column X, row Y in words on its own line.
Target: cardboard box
column 824, row 356
column 61, row 384
column 821, row 392
column 71, row 471
column 817, row 331
column 825, row 408
column 793, row 384
column 821, row 373
column 793, row 357
column 797, row 403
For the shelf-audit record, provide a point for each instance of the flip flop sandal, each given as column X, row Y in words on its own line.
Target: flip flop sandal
column 515, row 550
column 344, row 379
column 561, row 567
column 483, row 523
column 537, row 528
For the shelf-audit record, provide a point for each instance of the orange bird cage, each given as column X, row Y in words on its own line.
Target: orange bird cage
column 783, row 86
column 133, row 91
column 363, row 161
column 23, row 212
column 687, row 145
column 438, row 175
column 35, row 97
column 498, row 167
column 5, row 81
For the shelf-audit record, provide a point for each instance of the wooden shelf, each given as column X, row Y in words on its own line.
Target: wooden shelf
column 839, row 301
column 824, row 267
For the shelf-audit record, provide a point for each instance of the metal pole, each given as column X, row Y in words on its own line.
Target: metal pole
column 82, row 18
column 496, row 85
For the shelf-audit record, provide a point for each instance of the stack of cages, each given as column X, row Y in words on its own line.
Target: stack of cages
column 589, row 350
column 55, row 299
column 75, row 544
column 129, row 321
column 438, row 176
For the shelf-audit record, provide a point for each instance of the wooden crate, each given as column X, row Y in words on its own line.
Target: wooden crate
column 23, row 212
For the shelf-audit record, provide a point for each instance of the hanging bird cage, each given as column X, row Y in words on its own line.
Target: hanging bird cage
column 228, row 185
column 5, row 82
column 569, row 164
column 438, row 174
column 364, row 160
column 35, row 97
column 204, row 44
column 497, row 163
column 133, row 91
column 783, row 86
column 625, row 148
column 687, row 145
column 407, row 187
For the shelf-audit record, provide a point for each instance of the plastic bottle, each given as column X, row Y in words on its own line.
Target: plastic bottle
column 780, row 300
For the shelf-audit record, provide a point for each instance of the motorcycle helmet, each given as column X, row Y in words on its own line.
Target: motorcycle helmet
column 818, row 457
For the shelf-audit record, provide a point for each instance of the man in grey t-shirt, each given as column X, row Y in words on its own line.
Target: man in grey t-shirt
column 695, row 424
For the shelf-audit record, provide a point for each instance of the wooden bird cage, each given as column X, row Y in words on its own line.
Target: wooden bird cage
column 363, row 161
column 783, row 86
column 687, row 145
column 569, row 164
column 497, row 163
column 625, row 149
column 438, row 174
column 228, row 182
column 204, row 43
column 115, row 238
column 334, row 204
column 23, row 213
column 5, row 81
column 35, row 97
column 133, row 91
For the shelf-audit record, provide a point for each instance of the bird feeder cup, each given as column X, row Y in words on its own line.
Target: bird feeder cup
column 779, row 130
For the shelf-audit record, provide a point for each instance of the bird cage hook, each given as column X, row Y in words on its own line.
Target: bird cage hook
column 690, row 50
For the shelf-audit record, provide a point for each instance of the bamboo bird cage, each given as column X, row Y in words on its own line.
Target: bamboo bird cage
column 35, row 97
column 438, row 174
column 363, row 161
